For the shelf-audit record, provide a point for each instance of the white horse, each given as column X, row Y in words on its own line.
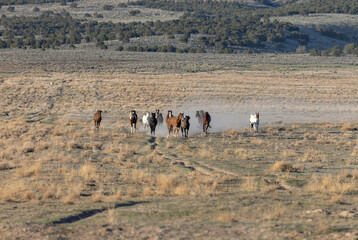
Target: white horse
column 146, row 119
column 254, row 121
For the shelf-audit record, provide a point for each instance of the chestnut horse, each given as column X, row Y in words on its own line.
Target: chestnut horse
column 133, row 120
column 97, row 119
column 167, row 117
column 206, row 122
column 173, row 123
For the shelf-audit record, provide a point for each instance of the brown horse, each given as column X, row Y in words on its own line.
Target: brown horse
column 173, row 123
column 97, row 119
column 133, row 120
column 159, row 117
column 185, row 125
column 206, row 122
column 169, row 115
column 199, row 115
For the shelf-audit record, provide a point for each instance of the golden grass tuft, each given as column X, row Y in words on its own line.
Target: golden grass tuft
column 348, row 126
column 166, row 184
column 182, row 189
column 242, row 153
column 4, row 166
column 250, row 184
column 288, row 153
column 28, row 171
column 73, row 193
column 126, row 149
column 312, row 156
column 88, row 172
column 132, row 191
column 28, row 147
column 225, row 216
column 310, row 136
column 184, row 148
column 274, row 212
column 283, row 166
column 228, row 151
column 330, row 184
column 147, row 192
column 42, row 145
column 16, row 191
column 97, row 196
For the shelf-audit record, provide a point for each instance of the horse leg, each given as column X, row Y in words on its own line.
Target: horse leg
column 169, row 129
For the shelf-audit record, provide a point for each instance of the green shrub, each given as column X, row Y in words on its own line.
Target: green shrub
column 315, row 52
column 108, row 7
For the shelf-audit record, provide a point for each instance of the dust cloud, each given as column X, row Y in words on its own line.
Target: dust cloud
column 229, row 117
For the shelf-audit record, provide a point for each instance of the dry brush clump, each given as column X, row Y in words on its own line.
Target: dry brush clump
column 73, row 193
column 242, row 153
column 283, row 166
column 312, row 156
column 276, row 211
column 31, row 169
column 88, row 172
column 349, row 126
column 329, row 184
column 288, row 153
column 225, row 216
column 250, row 184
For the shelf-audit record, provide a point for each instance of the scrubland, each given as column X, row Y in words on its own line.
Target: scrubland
column 296, row 178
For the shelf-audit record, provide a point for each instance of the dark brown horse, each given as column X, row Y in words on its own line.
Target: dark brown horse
column 185, row 125
column 97, row 119
column 133, row 120
column 159, row 117
column 153, row 124
column 206, row 122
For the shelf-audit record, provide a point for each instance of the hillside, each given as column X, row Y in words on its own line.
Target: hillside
column 180, row 26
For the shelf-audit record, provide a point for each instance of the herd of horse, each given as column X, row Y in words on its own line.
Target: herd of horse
column 174, row 123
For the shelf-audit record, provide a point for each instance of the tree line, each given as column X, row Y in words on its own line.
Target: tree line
column 23, row 2
column 221, row 25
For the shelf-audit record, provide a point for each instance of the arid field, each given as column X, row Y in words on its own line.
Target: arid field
column 296, row 178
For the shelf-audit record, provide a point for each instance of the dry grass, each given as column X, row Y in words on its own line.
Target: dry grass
column 250, row 184
column 274, row 212
column 332, row 185
column 73, row 193
column 282, row 167
column 312, row 156
column 288, row 153
column 51, row 164
column 242, row 153
column 5, row 166
column 225, row 216
column 31, row 170
column 348, row 126
column 88, row 172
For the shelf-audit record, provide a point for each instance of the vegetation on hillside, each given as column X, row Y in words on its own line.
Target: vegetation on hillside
column 22, row 2
column 223, row 26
